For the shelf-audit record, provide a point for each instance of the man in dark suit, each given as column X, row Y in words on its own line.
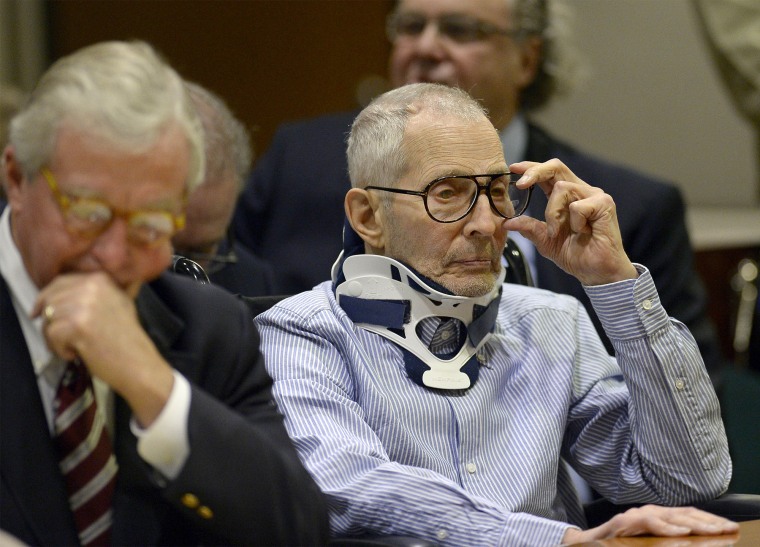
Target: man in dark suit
column 207, row 238
column 511, row 56
column 182, row 441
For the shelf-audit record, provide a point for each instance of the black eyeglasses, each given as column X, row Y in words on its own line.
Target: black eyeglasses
column 215, row 261
column 457, row 27
column 451, row 198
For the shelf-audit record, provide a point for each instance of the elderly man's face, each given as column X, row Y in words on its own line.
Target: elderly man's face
column 85, row 167
column 463, row 256
column 209, row 210
column 491, row 69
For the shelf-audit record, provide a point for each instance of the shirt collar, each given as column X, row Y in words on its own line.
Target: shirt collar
column 24, row 294
column 514, row 139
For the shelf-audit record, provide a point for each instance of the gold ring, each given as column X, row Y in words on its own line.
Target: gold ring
column 48, row 313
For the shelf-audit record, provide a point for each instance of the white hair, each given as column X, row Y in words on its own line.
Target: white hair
column 375, row 145
column 121, row 92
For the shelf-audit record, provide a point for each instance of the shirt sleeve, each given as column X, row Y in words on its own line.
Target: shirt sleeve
column 164, row 444
column 661, row 439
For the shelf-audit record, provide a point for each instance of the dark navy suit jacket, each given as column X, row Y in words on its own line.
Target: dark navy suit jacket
column 241, row 464
column 291, row 214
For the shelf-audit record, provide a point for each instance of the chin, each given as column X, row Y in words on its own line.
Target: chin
column 472, row 287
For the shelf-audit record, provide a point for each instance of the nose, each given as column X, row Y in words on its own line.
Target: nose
column 482, row 220
column 429, row 43
column 112, row 248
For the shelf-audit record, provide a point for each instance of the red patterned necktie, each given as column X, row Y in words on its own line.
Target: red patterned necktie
column 86, row 458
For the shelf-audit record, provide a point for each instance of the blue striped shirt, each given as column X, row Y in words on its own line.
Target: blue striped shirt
column 485, row 466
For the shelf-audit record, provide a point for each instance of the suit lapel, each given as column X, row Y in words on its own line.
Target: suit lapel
column 29, row 464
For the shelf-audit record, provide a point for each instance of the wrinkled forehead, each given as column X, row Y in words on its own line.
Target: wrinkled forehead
column 437, row 145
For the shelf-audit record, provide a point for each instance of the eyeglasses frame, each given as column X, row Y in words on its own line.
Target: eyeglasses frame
column 484, row 29
column 64, row 203
column 481, row 189
column 216, row 261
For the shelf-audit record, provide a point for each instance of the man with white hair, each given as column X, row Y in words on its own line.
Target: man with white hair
column 430, row 399
column 134, row 403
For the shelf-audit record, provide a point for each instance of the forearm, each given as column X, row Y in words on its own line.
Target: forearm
column 674, row 418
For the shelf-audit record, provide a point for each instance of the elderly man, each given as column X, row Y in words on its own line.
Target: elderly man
column 511, row 55
column 207, row 237
column 429, row 399
column 134, row 403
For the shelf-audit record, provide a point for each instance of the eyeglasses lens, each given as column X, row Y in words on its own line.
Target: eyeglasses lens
column 457, row 28
column 90, row 217
column 452, row 198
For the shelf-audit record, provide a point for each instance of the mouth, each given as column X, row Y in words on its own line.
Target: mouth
column 431, row 74
column 474, row 264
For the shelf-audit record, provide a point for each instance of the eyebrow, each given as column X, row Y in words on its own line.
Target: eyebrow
column 160, row 204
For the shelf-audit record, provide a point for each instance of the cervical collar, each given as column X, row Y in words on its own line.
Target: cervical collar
column 384, row 296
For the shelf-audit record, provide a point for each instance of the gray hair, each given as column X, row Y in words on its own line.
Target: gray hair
column 228, row 143
column 375, row 150
column 560, row 67
column 122, row 92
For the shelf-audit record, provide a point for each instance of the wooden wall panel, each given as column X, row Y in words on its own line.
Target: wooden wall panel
column 272, row 60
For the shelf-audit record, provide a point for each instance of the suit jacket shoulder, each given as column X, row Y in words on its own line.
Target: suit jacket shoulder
column 291, row 210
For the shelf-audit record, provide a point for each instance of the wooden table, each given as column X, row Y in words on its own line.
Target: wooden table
column 748, row 536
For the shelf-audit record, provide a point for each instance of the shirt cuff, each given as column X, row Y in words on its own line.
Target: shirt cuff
column 165, row 444
column 629, row 309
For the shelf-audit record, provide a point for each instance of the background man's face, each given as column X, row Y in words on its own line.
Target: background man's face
column 491, row 70
column 209, row 210
column 463, row 256
column 85, row 166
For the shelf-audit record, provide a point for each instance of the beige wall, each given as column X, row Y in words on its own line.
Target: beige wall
column 654, row 101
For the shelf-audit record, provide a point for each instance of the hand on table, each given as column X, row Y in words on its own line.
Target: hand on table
column 655, row 520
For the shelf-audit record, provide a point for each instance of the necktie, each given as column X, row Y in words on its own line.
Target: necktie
column 85, row 456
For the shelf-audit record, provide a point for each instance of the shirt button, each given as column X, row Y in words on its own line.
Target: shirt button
column 680, row 384
column 205, row 513
column 647, row 304
column 471, row 468
column 442, row 534
column 445, row 335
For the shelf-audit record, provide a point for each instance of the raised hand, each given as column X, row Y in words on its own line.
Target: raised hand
column 88, row 317
column 581, row 233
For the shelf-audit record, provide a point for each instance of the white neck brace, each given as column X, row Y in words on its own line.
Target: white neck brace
column 371, row 277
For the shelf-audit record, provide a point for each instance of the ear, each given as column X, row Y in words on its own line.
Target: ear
column 364, row 213
column 12, row 176
column 531, row 53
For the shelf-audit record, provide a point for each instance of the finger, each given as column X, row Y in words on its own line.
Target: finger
column 557, row 212
column 58, row 335
column 532, row 229
column 545, row 175
column 589, row 211
column 702, row 522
